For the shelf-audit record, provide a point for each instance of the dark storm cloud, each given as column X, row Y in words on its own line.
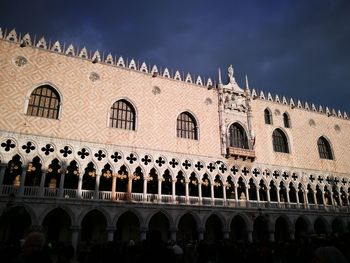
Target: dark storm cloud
column 289, row 47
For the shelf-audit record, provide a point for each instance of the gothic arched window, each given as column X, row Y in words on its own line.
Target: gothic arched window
column 286, row 120
column 279, row 140
column 44, row 102
column 324, row 149
column 122, row 115
column 186, row 126
column 268, row 116
column 238, row 137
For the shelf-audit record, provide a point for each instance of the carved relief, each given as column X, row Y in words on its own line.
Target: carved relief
column 235, row 102
column 20, row 61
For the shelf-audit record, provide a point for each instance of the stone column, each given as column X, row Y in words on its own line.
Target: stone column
column 143, row 233
column 114, row 184
column 199, row 192
column 331, row 197
column 247, row 192
column 42, row 183
column 288, row 199
column 250, row 236
column 297, row 197
column 173, row 231
column 236, row 194
column 97, row 185
column 257, row 194
column 75, row 236
column 61, row 186
column 80, row 184
column 129, row 188
column 2, row 172
column 200, row 232
column 226, row 234
column 272, row 236
column 224, row 193
column 145, row 189
column 268, row 194
column 212, row 193
column 187, row 198
column 23, row 179
column 160, row 180
column 110, row 233
column 173, row 190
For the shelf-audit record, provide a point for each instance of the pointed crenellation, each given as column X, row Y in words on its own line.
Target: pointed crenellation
column 313, row 107
column 339, row 114
column 144, row 68
column 284, row 100
column 254, row 94
column 262, row 95
column 166, row 73
column 177, row 75
column 132, row 65
column 320, row 109
column 70, row 51
column 154, row 71
column 26, row 40
column 83, row 53
column 269, row 96
column 120, row 62
column 209, row 82
column 328, row 112
column 12, row 36
column 277, row 99
column 188, row 78
column 345, row 115
column 299, row 105
column 291, row 103
column 41, row 43
column 109, row 59
column 56, row 47
column 96, row 57
column 199, row 81
column 1, row 34
column 307, row 106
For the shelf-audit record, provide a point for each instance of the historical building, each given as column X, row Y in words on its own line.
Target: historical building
column 100, row 148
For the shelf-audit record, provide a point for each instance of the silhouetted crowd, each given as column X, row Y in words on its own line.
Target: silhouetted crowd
column 306, row 249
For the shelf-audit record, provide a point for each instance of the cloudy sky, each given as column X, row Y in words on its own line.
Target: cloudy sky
column 296, row 48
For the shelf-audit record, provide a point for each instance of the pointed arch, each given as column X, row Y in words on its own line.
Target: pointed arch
column 187, row 126
column 324, row 148
column 279, row 141
column 238, row 136
column 122, row 115
column 44, row 101
column 268, row 116
column 286, row 120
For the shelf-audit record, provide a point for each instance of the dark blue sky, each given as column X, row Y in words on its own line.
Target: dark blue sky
column 296, row 48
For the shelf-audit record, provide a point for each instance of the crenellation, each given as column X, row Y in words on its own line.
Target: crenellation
column 56, row 47
column 132, row 64
column 188, row 78
column 144, row 68
column 12, row 36
column 26, row 40
column 121, row 62
column 199, row 81
column 269, row 97
column 277, row 99
column 41, row 43
column 262, row 95
column 166, row 73
column 96, row 57
column 109, row 59
column 284, row 100
column 306, row 106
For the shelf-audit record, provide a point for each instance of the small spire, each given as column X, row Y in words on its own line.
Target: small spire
column 246, row 82
column 220, row 82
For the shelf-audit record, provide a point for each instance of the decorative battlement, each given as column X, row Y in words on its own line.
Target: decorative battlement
column 298, row 104
column 95, row 57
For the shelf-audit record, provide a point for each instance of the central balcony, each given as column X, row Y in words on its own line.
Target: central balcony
column 240, row 153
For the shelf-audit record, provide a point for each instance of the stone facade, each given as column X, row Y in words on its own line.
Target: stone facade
column 239, row 180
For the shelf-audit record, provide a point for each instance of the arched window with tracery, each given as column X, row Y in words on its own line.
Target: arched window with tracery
column 45, row 102
column 238, row 137
column 122, row 115
column 279, row 140
column 186, row 126
column 324, row 149
column 267, row 116
column 286, row 120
